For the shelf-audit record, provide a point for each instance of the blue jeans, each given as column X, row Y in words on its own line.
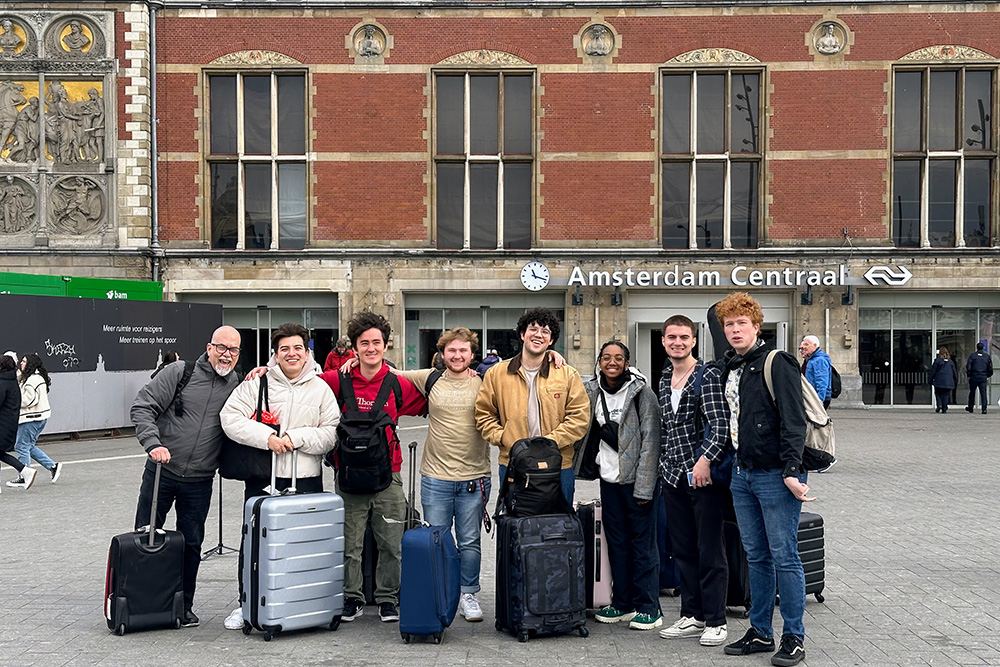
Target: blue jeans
column 768, row 516
column 444, row 501
column 630, row 531
column 27, row 436
column 567, row 479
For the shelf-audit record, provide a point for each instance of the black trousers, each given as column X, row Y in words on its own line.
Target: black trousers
column 694, row 521
column 942, row 396
column 12, row 461
column 977, row 384
column 630, row 530
column 191, row 501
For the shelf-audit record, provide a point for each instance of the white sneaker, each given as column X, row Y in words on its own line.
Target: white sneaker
column 714, row 635
column 686, row 626
column 235, row 620
column 469, row 606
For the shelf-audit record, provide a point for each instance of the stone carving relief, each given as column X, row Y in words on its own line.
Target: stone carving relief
column 699, row 56
column 74, row 129
column 16, row 39
column 74, row 37
column 17, row 205
column 484, row 57
column 948, row 52
column 830, row 38
column 76, row 205
column 597, row 40
column 369, row 41
column 255, row 57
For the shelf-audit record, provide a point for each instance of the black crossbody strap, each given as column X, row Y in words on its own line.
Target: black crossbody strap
column 604, row 406
column 262, row 402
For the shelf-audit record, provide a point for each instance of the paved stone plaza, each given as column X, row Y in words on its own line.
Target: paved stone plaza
column 912, row 568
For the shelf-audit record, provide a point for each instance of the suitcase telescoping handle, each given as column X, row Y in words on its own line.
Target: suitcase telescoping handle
column 152, row 507
column 274, row 473
column 410, row 511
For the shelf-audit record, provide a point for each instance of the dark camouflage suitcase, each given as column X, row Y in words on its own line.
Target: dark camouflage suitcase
column 812, row 553
column 541, row 575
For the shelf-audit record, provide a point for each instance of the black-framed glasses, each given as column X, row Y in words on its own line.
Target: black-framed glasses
column 222, row 349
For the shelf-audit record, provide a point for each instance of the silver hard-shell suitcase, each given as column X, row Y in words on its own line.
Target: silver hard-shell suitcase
column 293, row 560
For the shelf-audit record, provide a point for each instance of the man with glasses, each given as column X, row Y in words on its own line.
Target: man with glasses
column 527, row 397
column 176, row 418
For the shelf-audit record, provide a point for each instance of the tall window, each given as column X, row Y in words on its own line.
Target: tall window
column 483, row 159
column 943, row 157
column 257, row 160
column 711, row 159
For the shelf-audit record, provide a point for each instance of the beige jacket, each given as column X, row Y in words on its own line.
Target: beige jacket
column 34, row 400
column 306, row 410
column 502, row 407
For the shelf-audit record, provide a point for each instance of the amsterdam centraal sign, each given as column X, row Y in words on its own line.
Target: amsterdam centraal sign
column 535, row 276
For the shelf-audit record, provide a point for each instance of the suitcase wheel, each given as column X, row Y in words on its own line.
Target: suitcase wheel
column 177, row 624
column 437, row 637
column 247, row 628
column 496, row 624
column 406, row 637
column 522, row 636
column 584, row 632
column 335, row 623
column 819, row 597
column 120, row 630
column 267, row 636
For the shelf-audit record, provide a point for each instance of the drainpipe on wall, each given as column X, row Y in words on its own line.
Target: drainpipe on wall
column 153, row 151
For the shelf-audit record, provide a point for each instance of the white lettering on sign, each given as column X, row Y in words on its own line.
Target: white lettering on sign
column 631, row 278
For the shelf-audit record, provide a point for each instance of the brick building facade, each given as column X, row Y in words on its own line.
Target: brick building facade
column 837, row 160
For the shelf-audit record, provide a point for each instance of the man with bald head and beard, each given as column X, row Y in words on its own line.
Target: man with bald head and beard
column 179, row 427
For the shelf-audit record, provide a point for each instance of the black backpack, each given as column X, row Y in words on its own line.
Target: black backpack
column 533, row 485
column 835, row 385
column 364, row 458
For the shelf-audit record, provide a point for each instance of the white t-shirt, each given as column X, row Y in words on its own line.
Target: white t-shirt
column 675, row 398
column 534, row 420
column 607, row 458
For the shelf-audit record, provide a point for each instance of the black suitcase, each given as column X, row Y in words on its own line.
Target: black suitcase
column 812, row 553
column 144, row 583
column 738, row 589
column 541, row 575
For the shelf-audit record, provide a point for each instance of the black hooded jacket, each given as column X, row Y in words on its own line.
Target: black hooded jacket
column 10, row 407
column 770, row 435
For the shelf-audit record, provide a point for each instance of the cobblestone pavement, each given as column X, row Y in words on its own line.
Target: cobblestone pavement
column 912, row 560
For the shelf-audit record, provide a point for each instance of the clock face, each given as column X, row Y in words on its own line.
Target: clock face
column 534, row 276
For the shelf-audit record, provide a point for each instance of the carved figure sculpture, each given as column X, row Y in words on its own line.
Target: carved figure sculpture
column 62, row 130
column 76, row 205
column 828, row 44
column 10, row 41
column 11, row 97
column 598, row 40
column 17, row 209
column 91, row 112
column 24, row 147
column 370, row 46
column 75, row 40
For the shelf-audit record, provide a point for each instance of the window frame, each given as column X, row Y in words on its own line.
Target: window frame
column 468, row 158
column 960, row 155
column 241, row 158
column 727, row 157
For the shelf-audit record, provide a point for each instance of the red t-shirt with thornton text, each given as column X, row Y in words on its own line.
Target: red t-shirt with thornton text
column 414, row 404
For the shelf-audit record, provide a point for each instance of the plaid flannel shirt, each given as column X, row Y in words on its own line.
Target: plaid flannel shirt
column 680, row 436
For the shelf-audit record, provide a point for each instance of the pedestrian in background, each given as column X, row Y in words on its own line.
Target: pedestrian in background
column 339, row 354
column 979, row 368
column 34, row 414
column 169, row 357
column 944, row 378
column 10, row 407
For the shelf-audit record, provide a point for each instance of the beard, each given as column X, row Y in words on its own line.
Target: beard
column 223, row 371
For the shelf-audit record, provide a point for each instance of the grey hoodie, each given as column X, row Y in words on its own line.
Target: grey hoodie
column 195, row 437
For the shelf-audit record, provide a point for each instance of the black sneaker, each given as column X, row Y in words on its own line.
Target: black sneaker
column 352, row 609
column 969, row 409
column 790, row 653
column 752, row 642
column 388, row 612
column 189, row 620
column 55, row 471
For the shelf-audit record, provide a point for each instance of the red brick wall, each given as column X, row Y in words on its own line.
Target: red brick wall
column 370, row 113
column 178, row 205
column 597, row 112
column 370, row 200
column 597, row 201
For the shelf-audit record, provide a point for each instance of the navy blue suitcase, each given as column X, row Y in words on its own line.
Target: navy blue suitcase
column 430, row 585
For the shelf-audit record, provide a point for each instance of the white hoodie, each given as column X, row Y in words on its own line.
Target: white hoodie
column 34, row 400
column 306, row 410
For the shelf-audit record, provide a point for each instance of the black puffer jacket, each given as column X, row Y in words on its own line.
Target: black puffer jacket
column 768, row 439
column 10, row 407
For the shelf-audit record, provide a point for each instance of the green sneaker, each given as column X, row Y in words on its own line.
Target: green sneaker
column 608, row 614
column 646, row 621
